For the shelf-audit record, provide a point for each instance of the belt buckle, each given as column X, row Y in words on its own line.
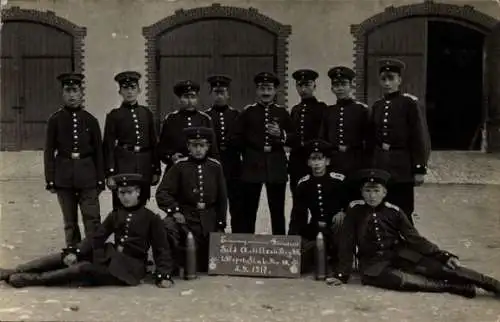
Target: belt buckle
column 75, row 155
column 119, row 248
column 267, row 148
column 200, row 205
column 386, row 146
column 137, row 148
column 342, row 148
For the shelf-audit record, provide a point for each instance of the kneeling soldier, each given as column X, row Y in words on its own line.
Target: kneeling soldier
column 393, row 254
column 322, row 194
column 94, row 261
column 193, row 194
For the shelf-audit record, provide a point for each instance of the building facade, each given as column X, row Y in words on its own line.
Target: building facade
column 451, row 50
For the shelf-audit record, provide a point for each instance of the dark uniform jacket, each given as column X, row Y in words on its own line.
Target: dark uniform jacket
column 130, row 142
column 224, row 120
column 399, row 140
column 135, row 230
column 252, row 139
column 323, row 197
column 172, row 138
column 306, row 118
column 382, row 235
column 197, row 189
column 73, row 150
column 346, row 126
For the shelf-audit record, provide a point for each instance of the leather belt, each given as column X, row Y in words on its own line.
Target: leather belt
column 75, row 155
column 134, row 148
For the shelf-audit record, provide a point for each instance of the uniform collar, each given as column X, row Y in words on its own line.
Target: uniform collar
column 198, row 161
column 392, row 95
column 220, row 108
column 128, row 105
column 345, row 101
column 73, row 109
column 308, row 100
column 188, row 112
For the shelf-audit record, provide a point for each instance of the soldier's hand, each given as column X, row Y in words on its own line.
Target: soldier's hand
column 338, row 219
column 176, row 157
column 179, row 218
column 155, row 179
column 453, row 263
column 110, row 182
column 273, row 129
column 165, row 283
column 70, row 259
column 419, row 179
column 332, row 281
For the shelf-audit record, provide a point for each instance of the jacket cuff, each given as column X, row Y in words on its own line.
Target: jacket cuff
column 420, row 169
column 158, row 277
column 344, row 278
column 444, row 256
column 111, row 172
column 50, row 185
column 172, row 210
column 71, row 250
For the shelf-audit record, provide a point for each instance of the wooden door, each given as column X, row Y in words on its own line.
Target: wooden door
column 492, row 77
column 404, row 40
column 37, row 54
column 213, row 46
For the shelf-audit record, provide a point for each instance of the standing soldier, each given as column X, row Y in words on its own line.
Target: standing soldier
column 224, row 120
column 130, row 136
column 306, row 117
column 193, row 194
column 345, row 126
column 398, row 142
column 261, row 133
column 172, row 145
column 74, row 167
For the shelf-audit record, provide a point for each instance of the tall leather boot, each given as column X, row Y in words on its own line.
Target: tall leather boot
column 41, row 264
column 480, row 280
column 416, row 283
column 56, row 277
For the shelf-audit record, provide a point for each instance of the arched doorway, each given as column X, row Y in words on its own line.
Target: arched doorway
column 443, row 47
column 217, row 39
column 35, row 47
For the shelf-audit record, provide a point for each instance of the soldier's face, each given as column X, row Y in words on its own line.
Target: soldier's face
column 198, row 149
column 318, row 163
column 130, row 92
column 129, row 196
column 266, row 92
column 72, row 95
column 390, row 81
column 342, row 88
column 220, row 96
column 373, row 193
column 306, row 89
column 189, row 100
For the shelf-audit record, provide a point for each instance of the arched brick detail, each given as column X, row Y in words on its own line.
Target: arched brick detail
column 427, row 8
column 50, row 18
column 182, row 17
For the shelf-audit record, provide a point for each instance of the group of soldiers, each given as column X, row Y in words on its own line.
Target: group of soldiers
column 351, row 168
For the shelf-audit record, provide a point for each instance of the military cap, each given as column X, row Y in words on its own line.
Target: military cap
column 304, row 75
column 186, row 86
column 219, row 81
column 266, row 77
column 317, row 145
column 128, row 179
column 341, row 72
column 127, row 78
column 70, row 79
column 198, row 133
column 391, row 65
column 373, row 176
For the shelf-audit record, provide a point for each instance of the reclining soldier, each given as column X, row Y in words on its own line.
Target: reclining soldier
column 322, row 194
column 95, row 262
column 393, row 255
column 193, row 194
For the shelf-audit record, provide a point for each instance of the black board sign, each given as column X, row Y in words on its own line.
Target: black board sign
column 254, row 255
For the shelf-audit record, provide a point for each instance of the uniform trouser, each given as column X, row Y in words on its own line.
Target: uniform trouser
column 88, row 199
column 402, row 194
column 276, row 202
column 50, row 270
column 235, row 199
column 177, row 233
column 308, row 256
column 430, row 275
